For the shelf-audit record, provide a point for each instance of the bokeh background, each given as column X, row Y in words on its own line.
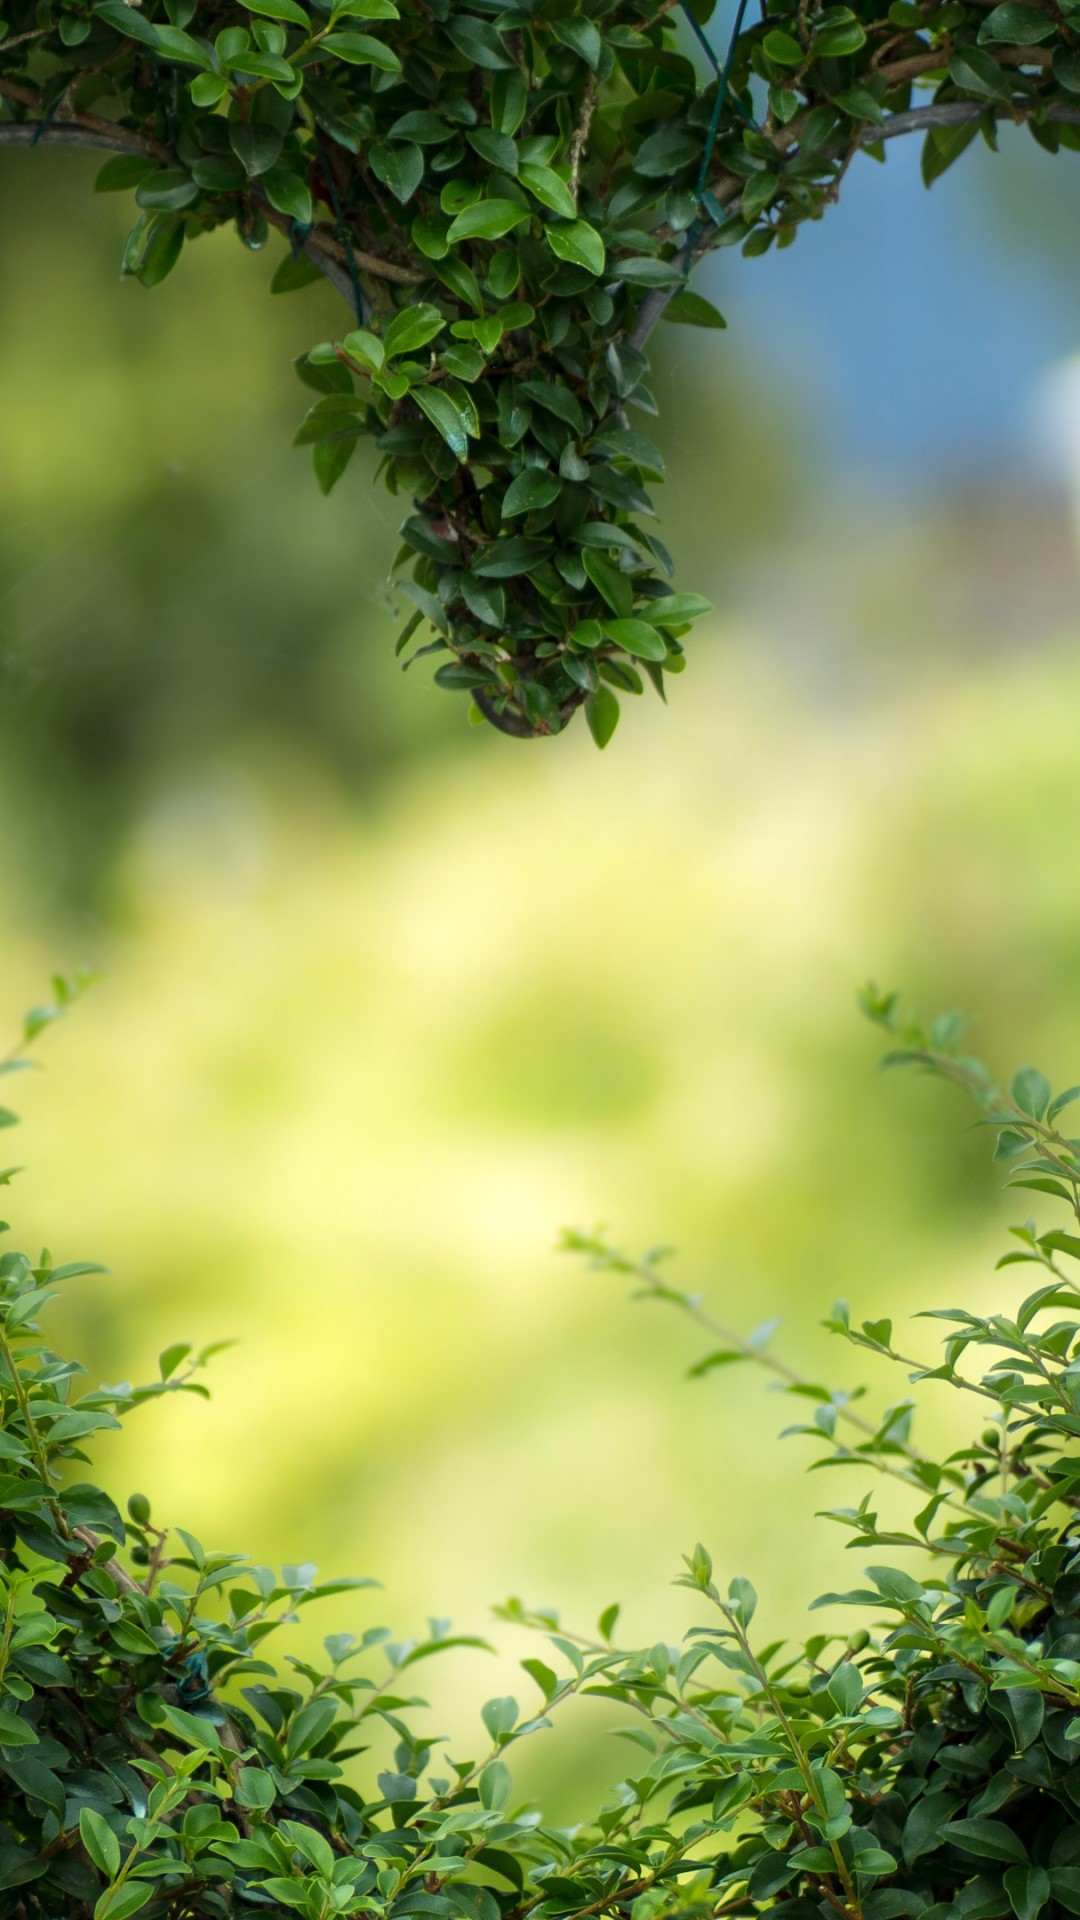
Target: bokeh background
column 388, row 999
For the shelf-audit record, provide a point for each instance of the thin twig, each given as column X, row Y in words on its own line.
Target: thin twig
column 581, row 132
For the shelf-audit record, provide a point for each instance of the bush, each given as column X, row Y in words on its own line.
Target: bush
column 925, row 1764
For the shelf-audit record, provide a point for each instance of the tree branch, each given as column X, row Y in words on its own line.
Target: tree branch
column 322, row 248
column 946, row 113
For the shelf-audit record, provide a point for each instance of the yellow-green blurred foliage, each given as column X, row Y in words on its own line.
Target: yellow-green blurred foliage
column 386, row 1001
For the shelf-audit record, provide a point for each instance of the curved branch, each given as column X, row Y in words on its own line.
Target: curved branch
column 321, row 248
column 79, row 133
column 946, row 113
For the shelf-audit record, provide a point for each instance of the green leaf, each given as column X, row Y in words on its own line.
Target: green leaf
column 167, row 190
column 480, row 43
column 134, row 1640
column 582, row 37
column 365, row 348
column 365, row 10
column 122, row 171
column 578, row 243
column 783, row 48
column 293, row 272
column 643, row 270
column 506, row 559
column 164, row 242
column 430, row 235
column 557, row 400
column 1028, row 1889
column 120, row 1902
column 1067, row 69
column 1031, row 1091
column 602, row 715
column 494, row 1784
column 127, row 20
column 508, row 100
column 289, row 194
column 976, row 72
column 846, row 1692
column 1017, row 25
column 180, row 46
column 987, row 1839
column 861, row 104
column 943, row 146
column 218, row 173
column 413, row 327
column 400, row 166
column 549, row 188
column 834, row 43
column 497, row 150
column 15, row 1732
column 445, row 417
column 487, row 220
column 636, row 637
column 208, row 88
column 279, row 10
column 100, row 1842
column 757, row 193
column 534, row 487
column 330, row 459
column 254, row 144
column 923, row 1828
column 361, row 50
column 612, row 584
column 689, row 309
column 674, row 609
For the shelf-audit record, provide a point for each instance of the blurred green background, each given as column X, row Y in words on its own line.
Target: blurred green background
column 388, row 999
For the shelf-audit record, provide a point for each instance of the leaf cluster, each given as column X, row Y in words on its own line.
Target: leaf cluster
column 158, row 1756
column 510, row 195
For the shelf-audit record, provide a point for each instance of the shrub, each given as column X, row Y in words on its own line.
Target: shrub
column 925, row 1763
column 510, row 197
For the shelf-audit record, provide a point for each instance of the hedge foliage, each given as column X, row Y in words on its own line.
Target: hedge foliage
column 926, row 1763
column 510, row 194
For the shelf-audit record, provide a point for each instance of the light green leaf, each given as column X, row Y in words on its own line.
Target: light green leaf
column 365, row 348
column 487, row 220
column 636, row 637
column 578, row 243
column 15, row 1732
column 120, row 1902
column 674, row 608
column 289, row 194
column 279, row 10
column 362, row 50
column 548, row 186
column 100, row 1842
column 412, row 328
column 445, row 417
column 1031, row 1091
column 602, row 715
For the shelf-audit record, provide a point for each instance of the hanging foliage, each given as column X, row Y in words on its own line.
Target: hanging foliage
column 509, row 197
